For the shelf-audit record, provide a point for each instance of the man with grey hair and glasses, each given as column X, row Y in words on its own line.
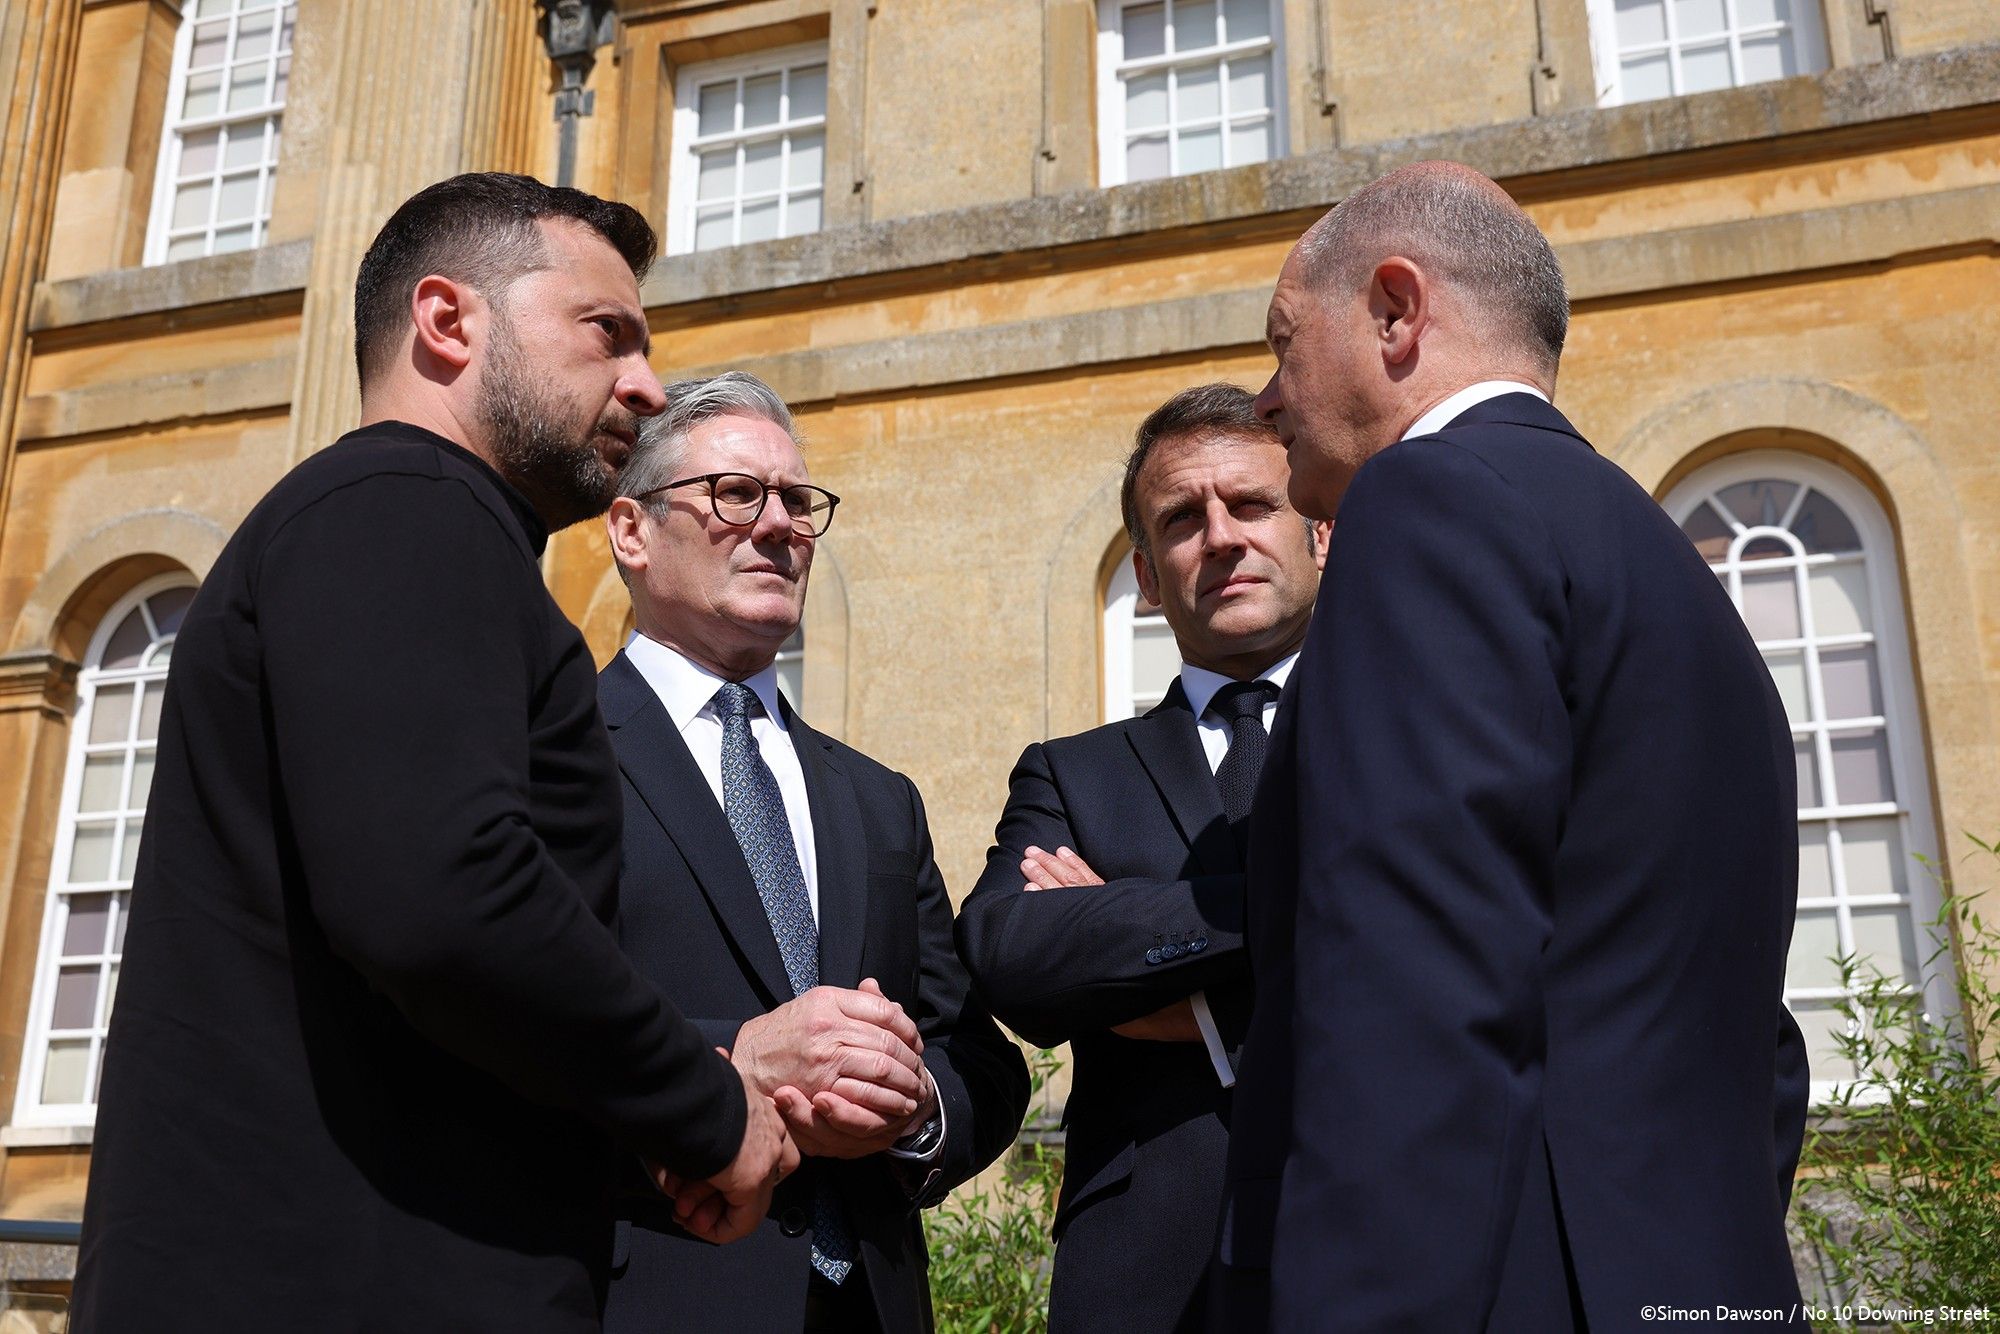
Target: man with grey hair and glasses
column 781, row 887
column 1522, row 861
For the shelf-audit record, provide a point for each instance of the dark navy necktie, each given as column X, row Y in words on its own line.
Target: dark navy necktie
column 1239, row 706
column 756, row 812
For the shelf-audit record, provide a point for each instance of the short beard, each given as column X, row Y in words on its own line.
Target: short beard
column 536, row 442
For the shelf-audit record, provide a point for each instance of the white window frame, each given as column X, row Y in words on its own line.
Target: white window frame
column 1908, row 752
column 1113, row 70
column 173, row 131
column 1121, row 607
column 684, row 173
column 1807, row 28
column 29, row 1110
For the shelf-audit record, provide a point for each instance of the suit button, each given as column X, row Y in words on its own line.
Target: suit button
column 1197, row 945
column 792, row 1222
column 1170, row 951
column 1153, row 955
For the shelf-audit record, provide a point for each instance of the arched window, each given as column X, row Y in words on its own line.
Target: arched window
column 109, row 775
column 1810, row 561
column 1141, row 659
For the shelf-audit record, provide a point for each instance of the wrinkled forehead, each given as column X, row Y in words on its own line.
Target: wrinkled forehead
column 1188, row 466
column 742, row 442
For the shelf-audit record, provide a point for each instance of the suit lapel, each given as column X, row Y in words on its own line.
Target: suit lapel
column 656, row 760
column 841, row 851
column 1168, row 743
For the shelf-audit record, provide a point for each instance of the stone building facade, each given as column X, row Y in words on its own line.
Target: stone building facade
column 975, row 241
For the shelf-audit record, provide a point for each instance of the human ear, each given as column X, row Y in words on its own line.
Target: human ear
column 443, row 312
column 1149, row 578
column 623, row 526
column 1401, row 301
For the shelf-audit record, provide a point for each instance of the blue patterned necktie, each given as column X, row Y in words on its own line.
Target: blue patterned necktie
column 756, row 812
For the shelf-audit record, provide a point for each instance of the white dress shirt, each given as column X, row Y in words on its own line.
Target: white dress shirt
column 1200, row 684
column 688, row 690
column 1443, row 414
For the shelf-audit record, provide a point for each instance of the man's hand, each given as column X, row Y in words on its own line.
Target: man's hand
column 1053, row 870
column 857, row 1044
column 1170, row 1023
column 827, row 1125
column 728, row 1206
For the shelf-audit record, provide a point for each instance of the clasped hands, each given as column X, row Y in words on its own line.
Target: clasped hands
column 837, row 1074
column 1064, row 869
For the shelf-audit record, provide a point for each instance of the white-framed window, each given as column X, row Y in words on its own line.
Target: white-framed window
column 219, row 147
column 109, row 774
column 1645, row 49
column 1141, row 659
column 749, row 159
column 1186, row 86
column 1809, row 559
column 791, row 664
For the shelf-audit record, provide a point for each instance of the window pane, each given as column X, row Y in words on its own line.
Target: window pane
column 67, row 1068
column 1823, row 527
column 1246, row 19
column 1808, row 771
column 1861, row 768
column 712, row 228
column 249, row 86
column 1815, row 865
column 1710, row 535
column 239, row 199
column 808, row 92
column 187, row 247
column 1198, row 95
column 152, row 694
column 801, row 215
column 1852, row 689
column 1788, row 671
column 142, row 779
column 760, row 167
column 128, row 641
column 1758, row 504
column 1201, row 150
column 760, row 101
column 256, row 34
column 1840, row 599
column 1194, row 24
column 123, row 903
column 1751, row 13
column 1765, row 548
column 1145, row 31
column 103, row 786
column 76, row 997
column 83, row 930
column 1823, row 1027
column 716, row 108
column 760, row 221
column 1699, row 18
column 1871, row 852
column 1767, row 57
column 282, row 82
column 1704, row 69
column 1250, row 143
column 246, row 146
column 128, row 856
column 1886, row 938
column 1771, row 605
column 1815, row 943
column 190, row 210
column 90, row 854
column 1644, row 78
column 1249, row 85
column 807, row 169
column 1146, row 158
column 1156, row 658
column 210, row 8
column 230, row 239
column 1641, row 21
column 110, row 995
column 717, row 179
column 198, row 152
column 1145, row 101
column 111, row 714
column 210, row 46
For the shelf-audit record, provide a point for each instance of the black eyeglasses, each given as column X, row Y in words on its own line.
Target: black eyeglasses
column 739, row 499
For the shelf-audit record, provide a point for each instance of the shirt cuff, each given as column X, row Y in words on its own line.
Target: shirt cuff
column 1211, row 1038
column 924, row 1144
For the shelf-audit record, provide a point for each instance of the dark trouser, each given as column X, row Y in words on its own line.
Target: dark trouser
column 845, row 1308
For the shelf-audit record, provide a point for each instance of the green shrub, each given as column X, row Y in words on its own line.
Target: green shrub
column 990, row 1247
column 1899, row 1189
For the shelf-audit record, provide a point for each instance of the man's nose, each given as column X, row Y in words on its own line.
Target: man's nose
column 639, row 389
column 1222, row 532
column 1268, row 404
column 774, row 523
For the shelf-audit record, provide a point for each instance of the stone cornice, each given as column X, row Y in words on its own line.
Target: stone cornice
column 36, row 679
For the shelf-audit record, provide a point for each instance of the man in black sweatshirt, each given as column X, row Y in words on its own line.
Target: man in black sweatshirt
column 376, row 1050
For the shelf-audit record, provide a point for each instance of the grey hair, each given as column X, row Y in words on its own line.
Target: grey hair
column 1457, row 226
column 663, row 439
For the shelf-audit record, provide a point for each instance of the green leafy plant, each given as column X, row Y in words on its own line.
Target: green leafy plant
column 1899, row 1192
column 990, row 1247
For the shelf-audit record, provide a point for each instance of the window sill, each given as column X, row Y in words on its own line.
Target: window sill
column 45, row 1137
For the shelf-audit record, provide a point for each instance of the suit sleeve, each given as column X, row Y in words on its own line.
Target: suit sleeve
column 1433, row 754
column 1056, row 963
column 982, row 1081
column 1793, row 1096
column 400, row 654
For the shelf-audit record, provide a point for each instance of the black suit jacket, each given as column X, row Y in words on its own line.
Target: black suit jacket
column 1147, row 1121
column 1524, row 861
column 691, row 920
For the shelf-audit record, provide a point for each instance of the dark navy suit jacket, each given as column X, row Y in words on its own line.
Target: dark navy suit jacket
column 1522, row 875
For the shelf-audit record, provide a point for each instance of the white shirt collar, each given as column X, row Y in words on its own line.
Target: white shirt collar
column 686, row 687
column 1200, row 684
column 1442, row 415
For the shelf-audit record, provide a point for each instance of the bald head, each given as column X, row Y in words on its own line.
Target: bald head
column 1463, row 231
